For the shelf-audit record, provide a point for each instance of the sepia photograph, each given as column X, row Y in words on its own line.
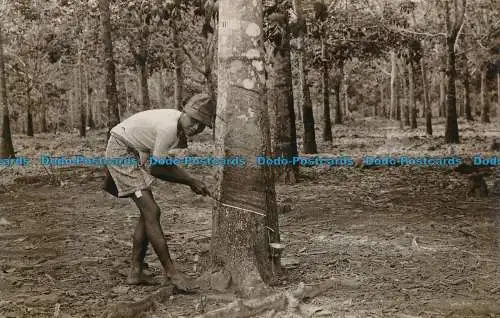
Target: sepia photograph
column 246, row 158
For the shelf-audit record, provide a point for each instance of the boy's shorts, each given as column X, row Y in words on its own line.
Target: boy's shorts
column 127, row 178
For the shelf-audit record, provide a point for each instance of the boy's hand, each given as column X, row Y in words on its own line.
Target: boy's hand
column 199, row 187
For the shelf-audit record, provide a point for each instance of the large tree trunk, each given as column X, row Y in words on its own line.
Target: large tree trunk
column 309, row 140
column 485, row 105
column 394, row 86
column 451, row 134
column 111, row 93
column 427, row 104
column 327, row 123
column 413, row 103
column 280, row 100
column 338, row 86
column 240, row 239
column 179, row 80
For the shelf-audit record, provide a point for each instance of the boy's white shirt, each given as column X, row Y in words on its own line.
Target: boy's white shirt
column 150, row 132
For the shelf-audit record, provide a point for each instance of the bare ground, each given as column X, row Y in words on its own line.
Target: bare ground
column 417, row 246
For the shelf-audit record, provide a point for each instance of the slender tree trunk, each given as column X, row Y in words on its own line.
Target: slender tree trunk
column 382, row 99
column 413, row 103
column 451, row 134
column 179, row 80
column 498, row 96
column 240, row 239
column 111, row 93
column 43, row 110
column 405, row 109
column 88, row 90
column 81, row 104
column 346, row 96
column 485, row 105
column 143, row 80
column 338, row 86
column 309, row 140
column 161, row 90
column 280, row 100
column 327, row 123
column 6, row 146
column 427, row 104
column 394, row 86
column 29, row 115
column 442, row 93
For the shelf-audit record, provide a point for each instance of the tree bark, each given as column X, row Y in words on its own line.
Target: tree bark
column 111, row 93
column 88, row 90
column 280, row 100
column 451, row 133
column 309, row 140
column 405, row 108
column 485, row 105
column 394, row 86
column 327, row 123
column 179, row 79
column 81, row 104
column 43, row 110
column 427, row 104
column 240, row 239
column 338, row 86
column 442, row 93
column 382, row 99
column 413, row 103
column 6, row 146
column 29, row 114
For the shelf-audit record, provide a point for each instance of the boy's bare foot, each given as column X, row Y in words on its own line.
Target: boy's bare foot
column 182, row 282
column 140, row 278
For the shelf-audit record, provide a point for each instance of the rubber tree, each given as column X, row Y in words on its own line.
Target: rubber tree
column 245, row 217
column 280, row 92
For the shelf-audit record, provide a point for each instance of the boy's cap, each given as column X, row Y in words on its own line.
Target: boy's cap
column 201, row 108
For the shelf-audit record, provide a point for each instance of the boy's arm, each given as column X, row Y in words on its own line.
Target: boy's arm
column 172, row 173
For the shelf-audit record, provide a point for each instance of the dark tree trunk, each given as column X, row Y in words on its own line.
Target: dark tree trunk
column 413, row 104
column 179, row 79
column 427, row 104
column 280, row 100
column 327, row 123
column 43, row 110
column 29, row 115
column 111, row 93
column 90, row 113
column 81, row 104
column 442, row 93
column 485, row 105
column 143, row 80
column 451, row 134
column 338, row 86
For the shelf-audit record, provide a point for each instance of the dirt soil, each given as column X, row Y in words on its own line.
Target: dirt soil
column 409, row 235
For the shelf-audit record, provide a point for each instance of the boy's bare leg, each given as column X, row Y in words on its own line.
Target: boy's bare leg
column 150, row 213
column 139, row 249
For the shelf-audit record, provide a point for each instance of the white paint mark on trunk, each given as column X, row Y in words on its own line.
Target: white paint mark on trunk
column 252, row 54
column 259, row 66
column 248, row 83
column 253, row 29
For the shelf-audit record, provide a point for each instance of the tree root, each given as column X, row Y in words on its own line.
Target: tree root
column 134, row 309
column 286, row 301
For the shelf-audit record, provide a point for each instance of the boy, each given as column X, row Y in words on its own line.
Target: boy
column 145, row 134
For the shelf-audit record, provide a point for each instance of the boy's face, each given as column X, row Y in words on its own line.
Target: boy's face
column 190, row 125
